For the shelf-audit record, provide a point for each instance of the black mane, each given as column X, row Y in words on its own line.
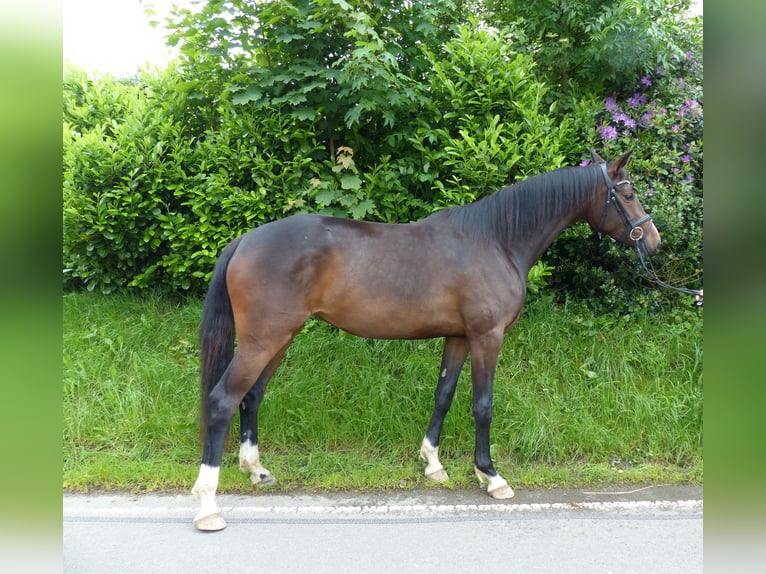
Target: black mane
column 517, row 210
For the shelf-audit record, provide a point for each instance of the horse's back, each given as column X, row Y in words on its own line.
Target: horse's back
column 372, row 279
column 310, row 241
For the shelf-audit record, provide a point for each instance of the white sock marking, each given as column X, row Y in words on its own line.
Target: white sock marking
column 430, row 454
column 250, row 461
column 204, row 490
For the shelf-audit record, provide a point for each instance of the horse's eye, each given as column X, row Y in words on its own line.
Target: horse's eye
column 629, row 196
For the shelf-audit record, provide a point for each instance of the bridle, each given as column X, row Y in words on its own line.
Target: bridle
column 634, row 231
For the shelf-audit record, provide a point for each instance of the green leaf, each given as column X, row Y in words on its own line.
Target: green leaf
column 326, row 197
column 305, row 113
column 361, row 209
column 350, row 181
column 343, row 4
column 287, row 37
column 252, row 93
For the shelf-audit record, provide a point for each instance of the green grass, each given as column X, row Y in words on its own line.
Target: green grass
column 580, row 400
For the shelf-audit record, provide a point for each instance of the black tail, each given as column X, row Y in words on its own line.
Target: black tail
column 216, row 332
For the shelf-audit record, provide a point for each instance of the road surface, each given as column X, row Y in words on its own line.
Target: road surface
column 653, row 530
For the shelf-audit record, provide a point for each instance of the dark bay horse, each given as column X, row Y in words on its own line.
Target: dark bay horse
column 459, row 274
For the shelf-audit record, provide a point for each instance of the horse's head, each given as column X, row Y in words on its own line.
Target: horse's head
column 619, row 213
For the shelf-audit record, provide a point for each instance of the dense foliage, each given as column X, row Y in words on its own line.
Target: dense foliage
column 662, row 119
column 596, row 45
column 382, row 111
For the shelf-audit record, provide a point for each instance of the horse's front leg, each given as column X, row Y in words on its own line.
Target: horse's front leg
column 484, row 354
column 453, row 358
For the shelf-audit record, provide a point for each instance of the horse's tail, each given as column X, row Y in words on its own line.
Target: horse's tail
column 216, row 332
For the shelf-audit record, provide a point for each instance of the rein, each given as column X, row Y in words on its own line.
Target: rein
column 651, row 276
column 634, row 230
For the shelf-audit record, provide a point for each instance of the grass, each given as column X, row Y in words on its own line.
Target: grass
column 580, row 400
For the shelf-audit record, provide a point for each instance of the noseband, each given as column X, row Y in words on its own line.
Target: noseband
column 633, row 229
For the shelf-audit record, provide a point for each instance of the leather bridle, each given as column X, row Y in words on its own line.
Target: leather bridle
column 633, row 229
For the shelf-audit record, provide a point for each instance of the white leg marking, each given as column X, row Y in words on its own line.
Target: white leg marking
column 497, row 486
column 209, row 516
column 250, row 461
column 434, row 469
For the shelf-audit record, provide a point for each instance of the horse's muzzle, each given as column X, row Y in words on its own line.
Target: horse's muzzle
column 649, row 243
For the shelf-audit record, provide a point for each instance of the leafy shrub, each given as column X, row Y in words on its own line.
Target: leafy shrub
column 487, row 123
column 244, row 174
column 118, row 138
column 662, row 123
column 159, row 174
column 150, row 202
column 599, row 46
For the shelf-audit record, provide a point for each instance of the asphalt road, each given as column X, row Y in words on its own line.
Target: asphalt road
column 653, row 530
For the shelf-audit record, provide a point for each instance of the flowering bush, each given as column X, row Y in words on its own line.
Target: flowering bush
column 661, row 121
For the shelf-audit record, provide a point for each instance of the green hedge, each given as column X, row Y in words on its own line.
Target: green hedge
column 150, row 199
column 156, row 182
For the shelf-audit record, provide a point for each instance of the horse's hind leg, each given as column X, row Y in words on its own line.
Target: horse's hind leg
column 249, row 457
column 223, row 402
column 455, row 353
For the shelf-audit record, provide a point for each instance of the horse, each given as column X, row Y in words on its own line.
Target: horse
column 459, row 273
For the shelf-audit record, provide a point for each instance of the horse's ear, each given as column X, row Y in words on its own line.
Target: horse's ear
column 623, row 161
column 596, row 158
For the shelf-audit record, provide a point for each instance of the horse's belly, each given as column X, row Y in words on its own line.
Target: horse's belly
column 395, row 321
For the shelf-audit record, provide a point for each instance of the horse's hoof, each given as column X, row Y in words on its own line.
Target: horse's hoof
column 262, row 479
column 438, row 476
column 501, row 492
column 210, row 523
column 497, row 486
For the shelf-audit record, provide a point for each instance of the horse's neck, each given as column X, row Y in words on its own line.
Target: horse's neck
column 527, row 250
column 511, row 222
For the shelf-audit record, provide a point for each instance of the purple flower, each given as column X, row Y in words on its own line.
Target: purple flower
column 690, row 178
column 607, row 132
column 624, row 119
column 585, row 163
column 660, row 71
column 686, row 158
column 637, row 99
column 646, row 119
column 675, row 128
column 610, row 104
column 690, row 107
column 646, row 81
